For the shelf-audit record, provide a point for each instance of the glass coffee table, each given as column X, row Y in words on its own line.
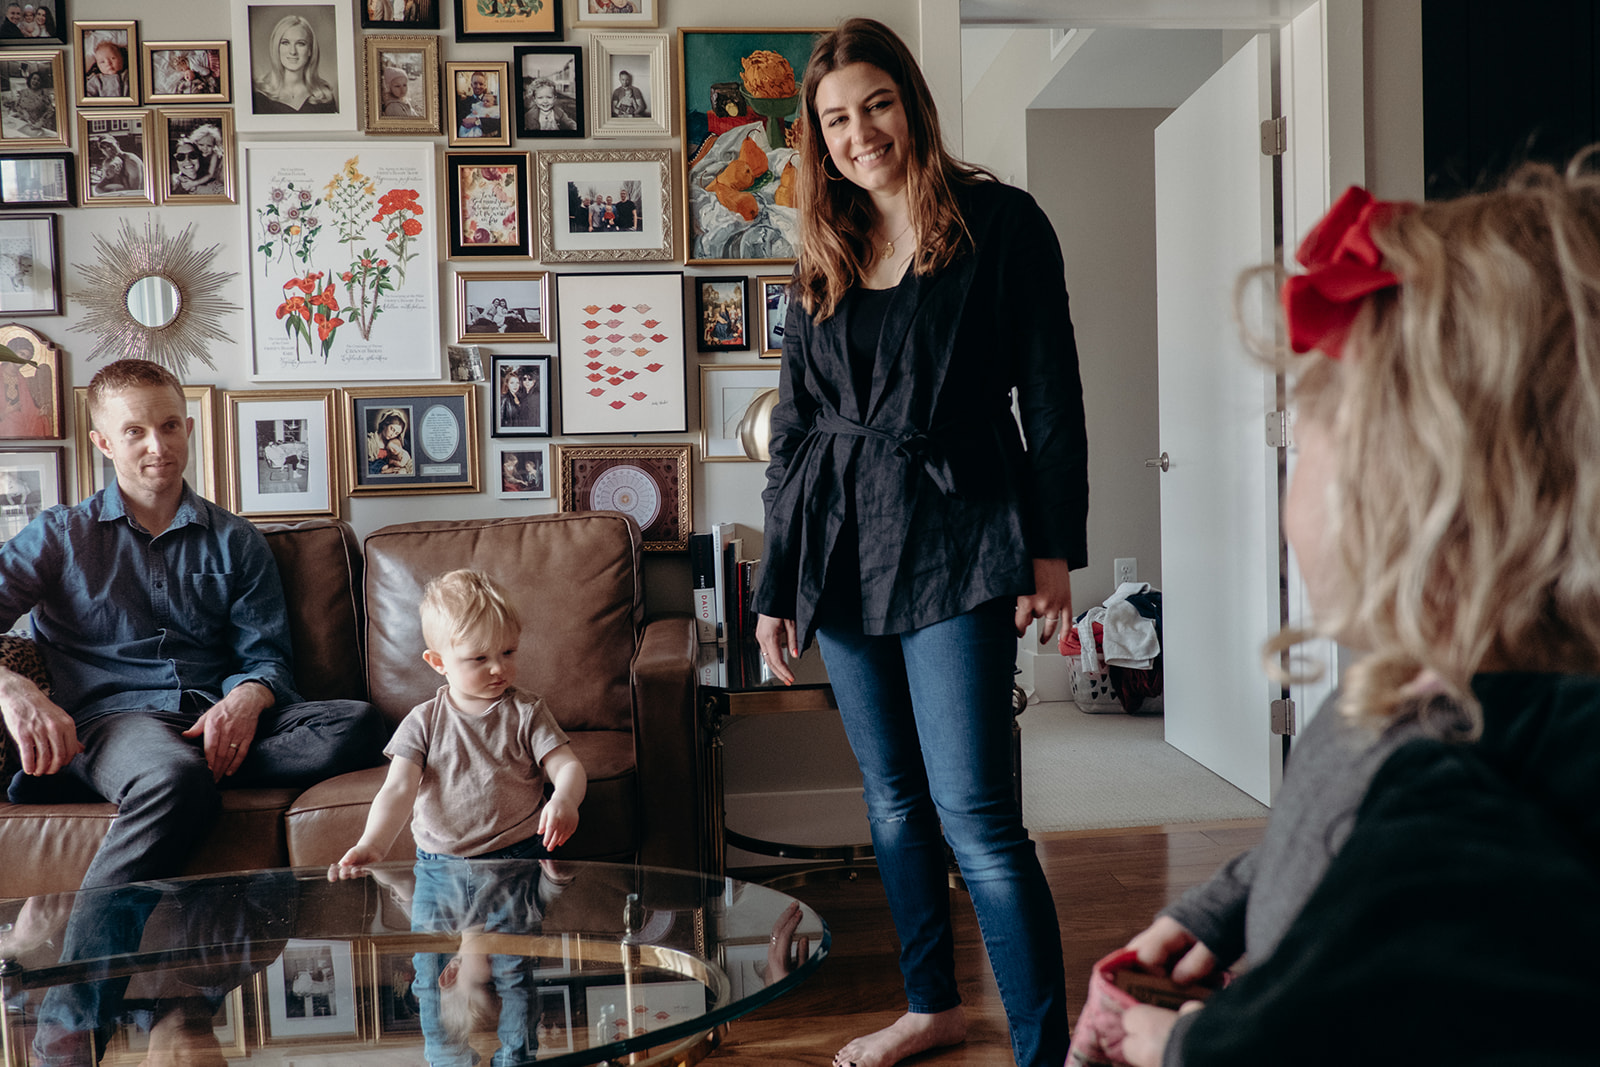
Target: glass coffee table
column 448, row 962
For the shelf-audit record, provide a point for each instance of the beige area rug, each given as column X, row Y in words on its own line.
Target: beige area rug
column 1092, row 772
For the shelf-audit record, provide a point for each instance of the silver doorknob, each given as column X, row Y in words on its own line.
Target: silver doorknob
column 1165, row 463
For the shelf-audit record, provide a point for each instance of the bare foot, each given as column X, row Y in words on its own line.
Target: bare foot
column 908, row 1035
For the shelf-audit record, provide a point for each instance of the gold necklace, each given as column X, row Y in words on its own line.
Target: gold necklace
column 888, row 246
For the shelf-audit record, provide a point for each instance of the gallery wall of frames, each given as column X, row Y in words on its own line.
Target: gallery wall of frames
column 413, row 258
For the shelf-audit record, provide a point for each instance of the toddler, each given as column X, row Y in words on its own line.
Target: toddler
column 461, row 803
column 486, row 109
column 547, row 116
column 1424, row 892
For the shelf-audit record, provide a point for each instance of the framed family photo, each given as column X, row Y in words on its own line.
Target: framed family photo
column 32, row 23
column 95, row 471
column 401, row 81
column 629, row 85
column 33, row 100
column 488, row 204
column 280, row 448
column 509, row 20
column 615, row 14
column 116, row 168
column 524, row 472
column 605, row 205
column 522, row 396
column 720, row 305
column 774, row 292
column 30, row 481
column 297, row 62
column 197, row 164
column 310, row 993
column 511, row 306
column 648, row 482
column 30, row 403
column 399, row 14
column 35, row 181
column 411, row 439
column 186, row 72
column 548, row 81
column 622, row 345
column 106, row 53
column 479, row 113
column 726, row 391
column 30, row 274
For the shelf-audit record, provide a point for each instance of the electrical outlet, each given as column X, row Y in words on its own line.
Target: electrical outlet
column 1125, row 569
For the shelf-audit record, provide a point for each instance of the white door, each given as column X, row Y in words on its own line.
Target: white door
column 1219, row 510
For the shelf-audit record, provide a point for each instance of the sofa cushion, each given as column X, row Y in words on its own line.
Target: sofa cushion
column 319, row 562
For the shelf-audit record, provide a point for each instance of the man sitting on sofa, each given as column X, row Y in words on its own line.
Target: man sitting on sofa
column 162, row 621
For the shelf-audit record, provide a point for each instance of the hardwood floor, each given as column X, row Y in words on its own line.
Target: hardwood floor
column 1108, row 884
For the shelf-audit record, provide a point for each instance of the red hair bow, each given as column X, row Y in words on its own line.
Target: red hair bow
column 1342, row 271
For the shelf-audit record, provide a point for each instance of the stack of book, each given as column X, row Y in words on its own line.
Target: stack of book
column 724, row 583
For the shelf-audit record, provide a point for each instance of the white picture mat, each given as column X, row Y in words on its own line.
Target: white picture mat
column 27, row 288
column 725, row 393
column 341, row 994
column 626, row 306
column 542, row 491
column 655, row 229
column 317, row 460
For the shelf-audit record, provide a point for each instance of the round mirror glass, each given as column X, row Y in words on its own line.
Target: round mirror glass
column 153, row 301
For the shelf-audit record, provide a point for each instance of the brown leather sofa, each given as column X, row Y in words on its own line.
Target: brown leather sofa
column 623, row 688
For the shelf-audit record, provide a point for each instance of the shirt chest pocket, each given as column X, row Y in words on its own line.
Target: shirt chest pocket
column 202, row 603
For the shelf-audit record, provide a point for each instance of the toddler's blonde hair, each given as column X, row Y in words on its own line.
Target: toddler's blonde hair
column 465, row 603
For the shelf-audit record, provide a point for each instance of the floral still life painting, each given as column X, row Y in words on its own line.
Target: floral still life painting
column 344, row 262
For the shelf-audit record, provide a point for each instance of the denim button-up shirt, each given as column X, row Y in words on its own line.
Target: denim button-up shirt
column 129, row 622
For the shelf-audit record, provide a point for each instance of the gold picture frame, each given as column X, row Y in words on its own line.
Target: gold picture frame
column 170, row 77
column 282, row 448
column 116, row 170
column 414, row 55
column 182, row 132
column 492, row 306
column 88, row 39
column 493, row 127
column 95, row 471
column 435, row 451
column 650, row 483
column 23, row 122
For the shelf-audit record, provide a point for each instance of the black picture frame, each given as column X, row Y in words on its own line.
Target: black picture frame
column 416, row 15
column 36, row 180
column 715, row 327
column 30, row 264
column 536, row 404
column 562, row 66
column 56, row 26
column 547, row 24
column 473, row 181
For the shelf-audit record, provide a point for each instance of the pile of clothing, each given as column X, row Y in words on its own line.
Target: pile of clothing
column 1114, row 652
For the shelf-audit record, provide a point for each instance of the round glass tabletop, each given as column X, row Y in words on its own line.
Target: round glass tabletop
column 440, row 962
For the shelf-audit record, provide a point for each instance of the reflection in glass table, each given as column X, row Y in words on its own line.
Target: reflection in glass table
column 441, row 962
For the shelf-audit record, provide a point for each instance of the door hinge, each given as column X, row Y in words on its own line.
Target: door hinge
column 1283, row 717
column 1277, row 429
column 1275, row 136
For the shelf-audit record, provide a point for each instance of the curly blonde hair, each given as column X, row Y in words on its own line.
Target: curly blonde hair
column 1464, row 422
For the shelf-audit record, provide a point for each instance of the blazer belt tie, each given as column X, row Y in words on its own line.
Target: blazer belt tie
column 918, row 446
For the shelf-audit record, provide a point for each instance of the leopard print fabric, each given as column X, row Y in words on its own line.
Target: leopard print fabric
column 19, row 654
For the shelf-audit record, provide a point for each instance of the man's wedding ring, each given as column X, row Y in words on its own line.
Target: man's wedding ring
column 234, row 745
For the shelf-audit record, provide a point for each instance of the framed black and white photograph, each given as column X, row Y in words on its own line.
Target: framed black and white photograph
column 490, row 215
column 605, row 205
column 186, row 72
column 30, row 277
column 116, row 167
column 30, row 481
column 478, row 112
column 280, row 453
column 507, row 305
column 36, row 181
column 615, row 14
column 295, row 66
column 107, row 53
column 33, row 24
column 524, row 475
column 629, row 85
column 726, row 391
column 549, row 87
column 33, row 100
column 554, row 1028
column 95, row 471
column 466, row 363
column 197, row 159
column 522, row 390
column 401, row 80
column 411, row 439
column 310, row 993
column 399, row 14
column 721, row 314
column 774, row 292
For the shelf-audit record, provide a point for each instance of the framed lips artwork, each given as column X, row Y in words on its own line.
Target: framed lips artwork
column 622, row 350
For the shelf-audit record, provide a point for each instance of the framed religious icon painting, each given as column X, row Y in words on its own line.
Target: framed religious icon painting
column 524, row 475
column 186, row 72
column 548, row 88
column 401, row 81
column 773, row 289
column 107, row 54
column 488, row 204
column 282, row 450
column 411, row 439
column 740, row 97
column 605, row 205
column 722, row 323
column 478, row 112
column 30, row 402
column 509, row 20
column 628, row 84
column 622, row 350
column 36, row 181
column 650, row 483
column 34, row 88
column 295, row 66
column 30, row 273
column 117, row 148
column 195, row 148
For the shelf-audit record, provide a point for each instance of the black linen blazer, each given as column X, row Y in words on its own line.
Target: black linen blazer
column 928, row 471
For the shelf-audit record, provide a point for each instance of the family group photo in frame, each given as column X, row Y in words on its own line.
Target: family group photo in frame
column 400, row 14
column 605, row 205
column 35, row 23
column 33, row 111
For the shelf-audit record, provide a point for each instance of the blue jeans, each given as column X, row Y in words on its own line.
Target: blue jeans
column 928, row 713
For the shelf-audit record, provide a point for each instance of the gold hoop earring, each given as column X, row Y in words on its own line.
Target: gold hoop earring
column 826, row 159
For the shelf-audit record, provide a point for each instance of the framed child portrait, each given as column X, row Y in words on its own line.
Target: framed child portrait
column 524, row 472
column 185, row 72
column 30, row 278
column 411, row 439
column 479, row 113
column 548, row 81
column 33, row 24
column 488, row 204
column 297, row 63
column 109, row 78
column 628, row 84
column 33, row 85
column 399, row 14
column 401, row 81
column 720, row 309
column 35, row 181
column 522, row 396
column 197, row 161
column 116, row 165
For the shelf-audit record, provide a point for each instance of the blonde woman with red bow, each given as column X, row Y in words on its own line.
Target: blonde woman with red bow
column 1426, row 888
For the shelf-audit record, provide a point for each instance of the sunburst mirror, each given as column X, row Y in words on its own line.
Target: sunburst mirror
column 155, row 297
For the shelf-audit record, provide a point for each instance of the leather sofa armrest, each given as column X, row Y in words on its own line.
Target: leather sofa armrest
column 668, row 745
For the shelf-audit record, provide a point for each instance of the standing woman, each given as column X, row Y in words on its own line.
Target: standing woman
column 907, row 526
column 292, row 83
